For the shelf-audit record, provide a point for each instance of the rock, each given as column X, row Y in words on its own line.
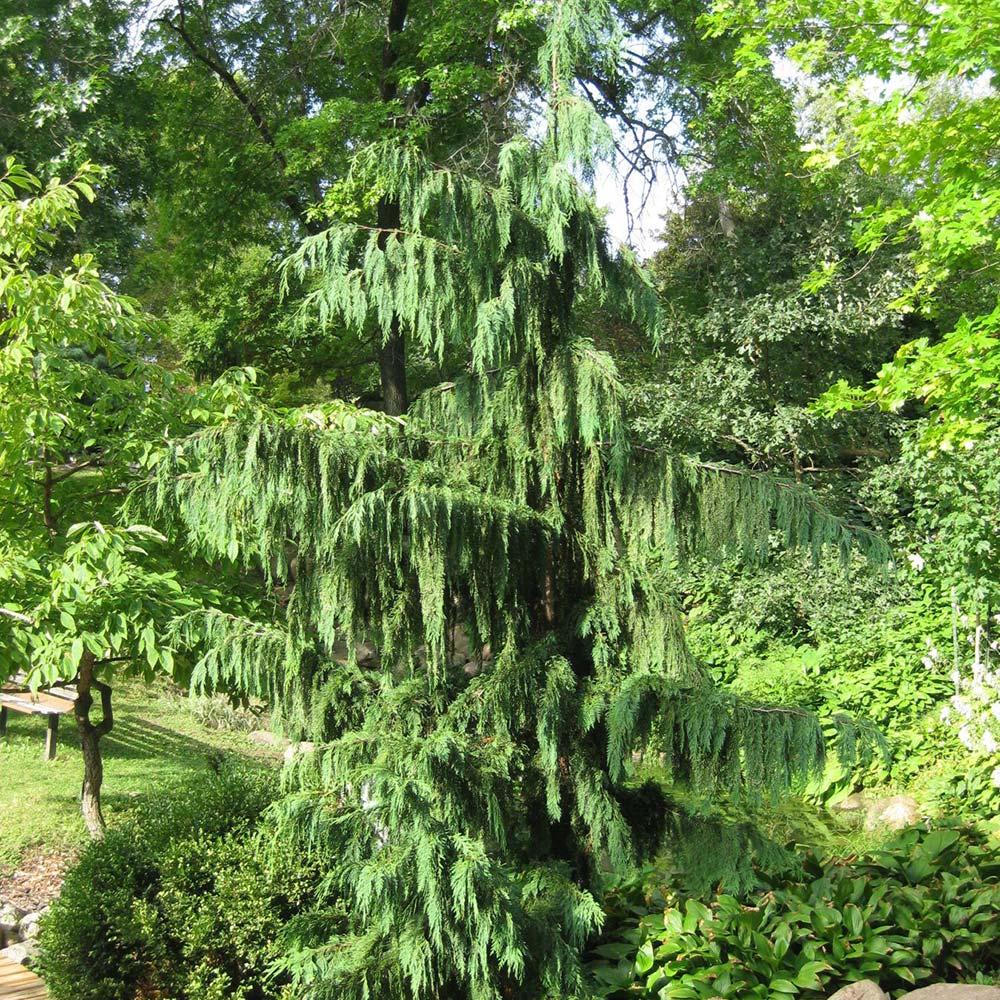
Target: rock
column 852, row 803
column 22, row 953
column 29, row 924
column 265, row 738
column 954, row 991
column 365, row 653
column 896, row 812
column 10, row 924
column 294, row 749
column 10, row 916
column 864, row 990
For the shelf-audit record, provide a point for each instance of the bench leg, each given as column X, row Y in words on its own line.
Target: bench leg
column 3, row 721
column 50, row 737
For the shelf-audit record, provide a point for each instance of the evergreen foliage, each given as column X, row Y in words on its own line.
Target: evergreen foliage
column 507, row 551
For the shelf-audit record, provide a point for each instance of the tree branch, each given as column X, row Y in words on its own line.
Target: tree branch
column 225, row 76
column 17, row 616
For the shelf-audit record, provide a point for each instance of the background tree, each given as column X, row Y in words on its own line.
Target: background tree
column 278, row 98
column 936, row 137
column 69, row 96
column 83, row 594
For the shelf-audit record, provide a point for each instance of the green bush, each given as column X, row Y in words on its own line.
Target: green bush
column 184, row 903
column 925, row 909
column 967, row 788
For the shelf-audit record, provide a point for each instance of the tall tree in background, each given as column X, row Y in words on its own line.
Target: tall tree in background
column 279, row 97
column 935, row 135
column 507, row 552
column 69, row 96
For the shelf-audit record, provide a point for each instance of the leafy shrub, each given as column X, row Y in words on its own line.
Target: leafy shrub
column 830, row 642
column 926, row 908
column 968, row 789
column 183, row 903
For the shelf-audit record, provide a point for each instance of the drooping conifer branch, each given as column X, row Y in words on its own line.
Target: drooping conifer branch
column 508, row 552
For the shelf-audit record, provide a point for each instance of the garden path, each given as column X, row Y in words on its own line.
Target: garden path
column 17, row 983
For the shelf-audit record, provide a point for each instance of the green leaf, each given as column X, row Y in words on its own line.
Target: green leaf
column 644, row 958
column 783, row 986
column 808, row 975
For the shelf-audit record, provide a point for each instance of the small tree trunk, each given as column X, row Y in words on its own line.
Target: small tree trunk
column 90, row 742
column 93, row 776
column 390, row 344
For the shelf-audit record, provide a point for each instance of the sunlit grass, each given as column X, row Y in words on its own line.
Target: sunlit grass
column 156, row 743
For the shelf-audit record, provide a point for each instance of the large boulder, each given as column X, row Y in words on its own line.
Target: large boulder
column 954, row 991
column 294, row 749
column 896, row 812
column 22, row 953
column 265, row 738
column 853, row 803
column 864, row 990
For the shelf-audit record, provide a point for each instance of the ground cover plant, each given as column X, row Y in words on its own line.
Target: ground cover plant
column 924, row 908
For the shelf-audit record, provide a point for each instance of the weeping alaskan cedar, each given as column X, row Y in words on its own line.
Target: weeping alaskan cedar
column 508, row 553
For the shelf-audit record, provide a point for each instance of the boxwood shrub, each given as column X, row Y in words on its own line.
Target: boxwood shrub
column 185, row 902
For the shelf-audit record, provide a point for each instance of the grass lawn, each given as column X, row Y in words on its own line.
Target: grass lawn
column 156, row 743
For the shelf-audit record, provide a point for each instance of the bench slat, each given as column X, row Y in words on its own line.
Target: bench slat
column 39, row 703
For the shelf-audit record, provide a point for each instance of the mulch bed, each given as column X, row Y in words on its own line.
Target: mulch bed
column 36, row 881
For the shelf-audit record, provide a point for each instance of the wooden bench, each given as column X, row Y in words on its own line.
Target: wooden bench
column 50, row 702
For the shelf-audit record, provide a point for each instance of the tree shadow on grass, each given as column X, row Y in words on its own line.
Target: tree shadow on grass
column 131, row 739
column 139, row 738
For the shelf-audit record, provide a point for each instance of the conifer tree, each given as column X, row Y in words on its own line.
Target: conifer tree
column 507, row 552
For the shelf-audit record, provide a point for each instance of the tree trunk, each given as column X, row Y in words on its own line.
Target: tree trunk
column 392, row 371
column 90, row 742
column 391, row 346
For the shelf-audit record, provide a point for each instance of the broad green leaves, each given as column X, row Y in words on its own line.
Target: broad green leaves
column 105, row 595
column 920, row 910
column 83, row 414
column 917, row 92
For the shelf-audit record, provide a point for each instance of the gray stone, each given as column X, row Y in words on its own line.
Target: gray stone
column 954, row 991
column 864, row 990
column 852, row 803
column 896, row 812
column 265, row 738
column 29, row 924
column 295, row 749
column 10, row 916
column 22, row 953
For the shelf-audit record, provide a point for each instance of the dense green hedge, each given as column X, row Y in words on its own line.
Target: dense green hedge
column 184, row 903
column 925, row 909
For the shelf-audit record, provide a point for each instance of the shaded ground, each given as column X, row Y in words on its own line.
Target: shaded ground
column 157, row 742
